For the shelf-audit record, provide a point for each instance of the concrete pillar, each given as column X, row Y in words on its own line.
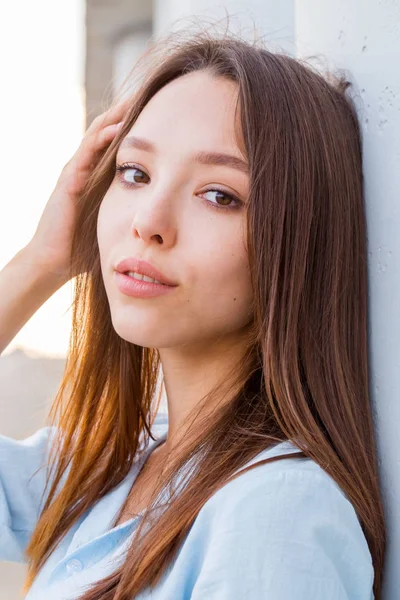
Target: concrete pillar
column 274, row 20
column 126, row 52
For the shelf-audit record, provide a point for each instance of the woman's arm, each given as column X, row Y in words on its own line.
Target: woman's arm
column 22, row 483
column 24, row 286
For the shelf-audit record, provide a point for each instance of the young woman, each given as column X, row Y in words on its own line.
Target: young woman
column 232, row 178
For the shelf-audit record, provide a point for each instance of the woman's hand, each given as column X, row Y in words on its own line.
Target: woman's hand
column 50, row 247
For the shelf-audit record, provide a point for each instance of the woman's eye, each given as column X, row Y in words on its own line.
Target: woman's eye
column 130, row 175
column 228, row 200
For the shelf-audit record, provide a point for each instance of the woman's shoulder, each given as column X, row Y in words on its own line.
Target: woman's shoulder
column 292, row 499
column 282, row 524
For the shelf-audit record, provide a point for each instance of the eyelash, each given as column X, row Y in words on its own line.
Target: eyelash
column 121, row 168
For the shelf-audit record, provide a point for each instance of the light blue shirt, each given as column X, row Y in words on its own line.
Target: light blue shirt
column 282, row 531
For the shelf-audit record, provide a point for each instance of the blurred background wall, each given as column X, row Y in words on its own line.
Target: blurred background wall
column 74, row 61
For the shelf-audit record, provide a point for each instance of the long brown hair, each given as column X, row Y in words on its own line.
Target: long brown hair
column 304, row 375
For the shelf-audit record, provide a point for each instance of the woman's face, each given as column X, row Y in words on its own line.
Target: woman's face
column 169, row 214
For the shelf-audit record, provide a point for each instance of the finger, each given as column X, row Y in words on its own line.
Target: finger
column 97, row 142
column 106, row 135
column 113, row 114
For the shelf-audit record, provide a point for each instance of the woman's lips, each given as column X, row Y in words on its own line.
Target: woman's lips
column 139, row 288
column 142, row 267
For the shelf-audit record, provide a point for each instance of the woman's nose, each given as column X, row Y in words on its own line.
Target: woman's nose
column 155, row 219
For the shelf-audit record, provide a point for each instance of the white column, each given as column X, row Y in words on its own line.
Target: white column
column 269, row 18
column 126, row 52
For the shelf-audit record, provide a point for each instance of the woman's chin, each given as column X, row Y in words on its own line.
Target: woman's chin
column 140, row 335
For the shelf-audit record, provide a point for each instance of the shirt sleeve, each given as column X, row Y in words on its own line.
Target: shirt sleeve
column 22, row 483
column 292, row 534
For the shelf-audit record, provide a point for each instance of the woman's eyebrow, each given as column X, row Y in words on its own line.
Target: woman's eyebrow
column 206, row 158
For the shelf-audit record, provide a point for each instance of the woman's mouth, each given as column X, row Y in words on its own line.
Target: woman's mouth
column 140, row 286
